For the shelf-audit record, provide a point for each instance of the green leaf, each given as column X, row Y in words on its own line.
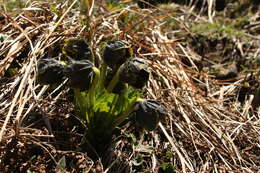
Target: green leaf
column 61, row 165
column 169, row 154
column 101, row 117
column 80, row 103
column 168, row 167
column 104, row 102
column 138, row 161
column 132, row 136
column 144, row 148
column 87, row 6
column 30, row 171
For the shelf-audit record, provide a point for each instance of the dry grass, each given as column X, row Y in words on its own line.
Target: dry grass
column 206, row 130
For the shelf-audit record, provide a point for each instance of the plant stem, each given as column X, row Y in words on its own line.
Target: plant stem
column 114, row 105
column 120, row 100
column 102, row 75
column 91, row 93
column 114, row 81
column 80, row 102
column 129, row 109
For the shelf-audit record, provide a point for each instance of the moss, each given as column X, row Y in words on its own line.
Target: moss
column 216, row 30
column 13, row 4
column 113, row 5
column 129, row 20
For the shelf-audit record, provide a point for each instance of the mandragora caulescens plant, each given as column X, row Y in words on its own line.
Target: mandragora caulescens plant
column 96, row 98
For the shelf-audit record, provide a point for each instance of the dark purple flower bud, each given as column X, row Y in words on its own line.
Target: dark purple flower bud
column 80, row 74
column 50, row 71
column 116, row 53
column 148, row 113
column 76, row 49
column 135, row 72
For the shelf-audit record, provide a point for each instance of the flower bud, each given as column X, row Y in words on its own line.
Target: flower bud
column 135, row 72
column 148, row 113
column 50, row 71
column 116, row 53
column 80, row 74
column 76, row 49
